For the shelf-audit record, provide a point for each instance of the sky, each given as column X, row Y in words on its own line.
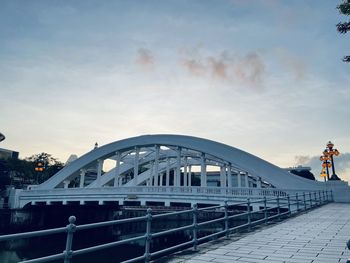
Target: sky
column 264, row 76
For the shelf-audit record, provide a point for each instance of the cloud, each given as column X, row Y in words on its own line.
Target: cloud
column 145, row 58
column 251, row 69
column 234, row 69
column 218, row 67
column 301, row 159
column 194, row 66
column 292, row 63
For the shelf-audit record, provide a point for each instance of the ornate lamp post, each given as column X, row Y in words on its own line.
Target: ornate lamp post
column 331, row 151
column 39, row 168
column 323, row 173
column 325, row 159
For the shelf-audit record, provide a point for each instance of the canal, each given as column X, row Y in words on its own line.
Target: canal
column 44, row 217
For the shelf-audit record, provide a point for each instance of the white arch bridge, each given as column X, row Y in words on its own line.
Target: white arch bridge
column 164, row 169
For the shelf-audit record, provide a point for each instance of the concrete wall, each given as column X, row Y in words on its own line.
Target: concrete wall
column 340, row 189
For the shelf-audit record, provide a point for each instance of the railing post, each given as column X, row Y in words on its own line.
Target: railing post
column 226, row 220
column 288, row 199
column 324, row 197
column 304, row 199
column 195, row 226
column 265, row 210
column 278, row 208
column 332, row 197
column 148, row 235
column 69, row 241
column 319, row 198
column 297, row 198
column 327, row 196
column 248, row 214
column 315, row 196
column 310, row 197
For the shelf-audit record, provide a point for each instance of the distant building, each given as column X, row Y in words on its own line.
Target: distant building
column 303, row 171
column 298, row 168
column 6, row 154
column 71, row 159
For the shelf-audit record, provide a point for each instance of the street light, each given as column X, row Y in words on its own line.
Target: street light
column 331, row 151
column 323, row 173
column 39, row 168
column 325, row 159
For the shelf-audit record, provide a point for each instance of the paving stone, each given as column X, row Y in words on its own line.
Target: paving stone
column 318, row 236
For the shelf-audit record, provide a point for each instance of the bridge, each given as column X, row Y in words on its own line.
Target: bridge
column 168, row 170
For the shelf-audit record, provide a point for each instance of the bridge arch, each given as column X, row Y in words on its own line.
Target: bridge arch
column 163, row 160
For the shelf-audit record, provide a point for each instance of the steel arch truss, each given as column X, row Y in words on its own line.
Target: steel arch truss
column 172, row 160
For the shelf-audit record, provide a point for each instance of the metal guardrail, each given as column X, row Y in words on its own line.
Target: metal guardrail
column 273, row 205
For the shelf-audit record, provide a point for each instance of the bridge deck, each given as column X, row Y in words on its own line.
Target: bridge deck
column 316, row 237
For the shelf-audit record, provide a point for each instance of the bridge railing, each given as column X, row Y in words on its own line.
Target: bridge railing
column 269, row 208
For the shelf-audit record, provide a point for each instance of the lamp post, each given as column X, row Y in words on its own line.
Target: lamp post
column 325, row 164
column 39, row 168
column 331, row 151
column 323, row 173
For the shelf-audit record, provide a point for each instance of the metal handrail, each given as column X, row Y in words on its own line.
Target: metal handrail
column 301, row 203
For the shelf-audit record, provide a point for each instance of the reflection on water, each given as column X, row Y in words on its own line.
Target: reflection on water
column 49, row 217
column 9, row 257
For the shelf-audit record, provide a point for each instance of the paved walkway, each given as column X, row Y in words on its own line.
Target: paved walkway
column 318, row 236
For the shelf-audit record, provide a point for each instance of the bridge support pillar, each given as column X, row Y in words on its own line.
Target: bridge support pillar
column 161, row 179
column 117, row 170
column 66, row 183
column 229, row 176
column 156, row 166
column 82, row 178
column 151, row 176
column 136, row 164
column 185, row 173
column 203, row 171
column 99, row 172
column 189, row 175
column 239, row 180
column 82, row 202
column 222, row 176
column 258, row 182
column 167, row 178
column 246, row 180
column 178, row 167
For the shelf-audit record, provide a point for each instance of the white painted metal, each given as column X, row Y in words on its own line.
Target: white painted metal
column 167, row 179
column 99, row 171
column 151, row 157
column 136, row 164
column 117, row 169
column 190, row 195
column 82, row 178
column 203, row 171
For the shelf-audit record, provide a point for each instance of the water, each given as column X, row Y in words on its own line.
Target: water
column 56, row 216
column 45, row 217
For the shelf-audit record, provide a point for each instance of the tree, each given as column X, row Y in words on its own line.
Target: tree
column 16, row 172
column 51, row 165
column 344, row 27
